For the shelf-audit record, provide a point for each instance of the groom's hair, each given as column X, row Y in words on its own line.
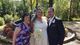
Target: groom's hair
column 52, row 9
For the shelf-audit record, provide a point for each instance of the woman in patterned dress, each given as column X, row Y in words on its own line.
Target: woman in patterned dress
column 22, row 31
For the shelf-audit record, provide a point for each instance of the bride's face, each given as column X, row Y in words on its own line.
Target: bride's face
column 39, row 13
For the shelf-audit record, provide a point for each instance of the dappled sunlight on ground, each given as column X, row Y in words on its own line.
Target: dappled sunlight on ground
column 75, row 42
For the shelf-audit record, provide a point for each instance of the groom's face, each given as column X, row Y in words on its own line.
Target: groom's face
column 50, row 12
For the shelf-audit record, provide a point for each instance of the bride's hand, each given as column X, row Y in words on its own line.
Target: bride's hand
column 40, row 30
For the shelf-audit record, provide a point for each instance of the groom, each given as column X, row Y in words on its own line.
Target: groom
column 55, row 29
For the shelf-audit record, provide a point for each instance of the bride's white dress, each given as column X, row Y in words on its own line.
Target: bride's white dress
column 40, row 33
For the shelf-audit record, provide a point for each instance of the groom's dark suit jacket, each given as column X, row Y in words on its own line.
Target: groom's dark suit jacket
column 56, row 32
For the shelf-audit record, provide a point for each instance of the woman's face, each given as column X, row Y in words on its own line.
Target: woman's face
column 39, row 13
column 27, row 19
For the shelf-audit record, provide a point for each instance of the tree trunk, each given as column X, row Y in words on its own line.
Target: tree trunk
column 70, row 10
column 31, row 4
column 50, row 3
column 36, row 4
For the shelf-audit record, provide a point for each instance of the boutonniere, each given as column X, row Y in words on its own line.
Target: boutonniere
column 53, row 21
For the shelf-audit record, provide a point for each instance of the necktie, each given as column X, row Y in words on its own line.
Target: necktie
column 48, row 22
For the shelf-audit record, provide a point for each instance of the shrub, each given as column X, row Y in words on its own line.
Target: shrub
column 15, row 18
column 1, row 21
column 8, row 18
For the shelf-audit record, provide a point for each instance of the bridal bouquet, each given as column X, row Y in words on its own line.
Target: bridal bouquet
column 38, row 33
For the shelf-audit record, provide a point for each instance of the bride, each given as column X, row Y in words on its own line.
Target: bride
column 40, row 30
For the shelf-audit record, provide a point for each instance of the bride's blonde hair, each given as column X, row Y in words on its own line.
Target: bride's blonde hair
column 36, row 13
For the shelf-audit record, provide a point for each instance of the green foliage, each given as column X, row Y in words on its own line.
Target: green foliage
column 62, row 8
column 8, row 18
column 64, row 16
column 15, row 18
column 1, row 21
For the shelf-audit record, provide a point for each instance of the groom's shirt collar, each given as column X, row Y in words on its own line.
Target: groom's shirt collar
column 50, row 20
